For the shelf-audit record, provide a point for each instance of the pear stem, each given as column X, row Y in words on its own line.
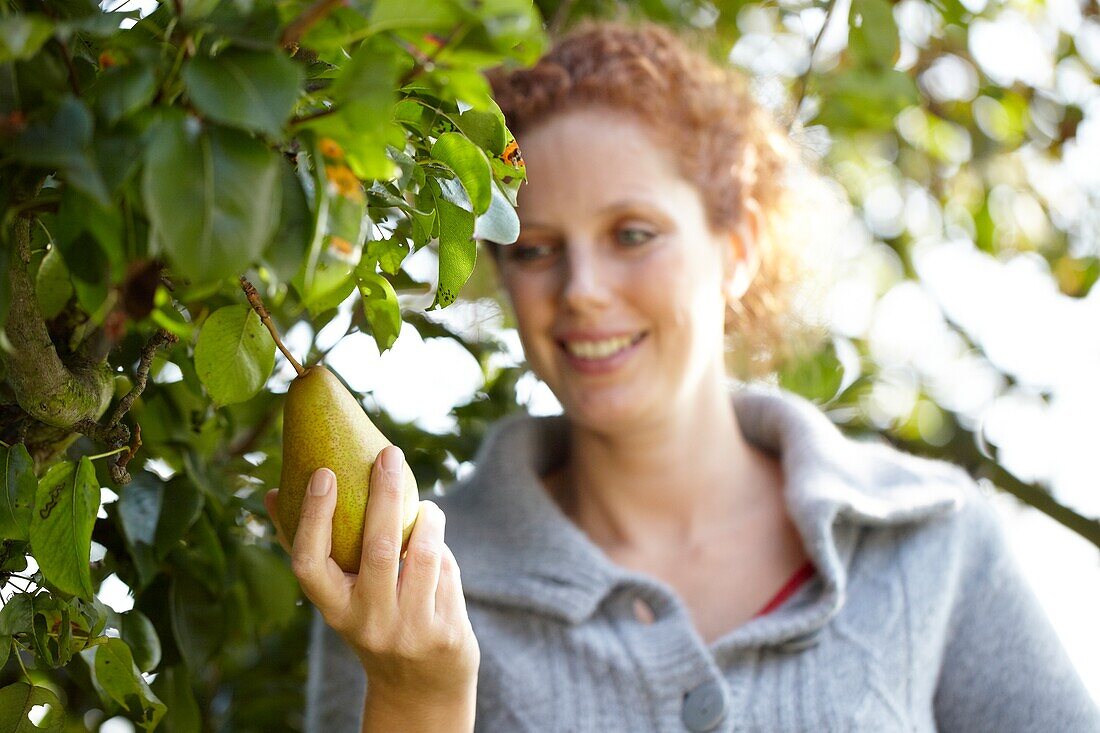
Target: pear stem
column 258, row 305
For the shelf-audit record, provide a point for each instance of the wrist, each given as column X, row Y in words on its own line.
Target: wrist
column 414, row 710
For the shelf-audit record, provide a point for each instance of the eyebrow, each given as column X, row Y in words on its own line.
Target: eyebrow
column 618, row 207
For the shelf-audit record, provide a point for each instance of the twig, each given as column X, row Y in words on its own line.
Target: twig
column 314, row 115
column 425, row 63
column 67, row 57
column 46, row 202
column 963, row 449
column 108, row 454
column 19, row 658
column 804, row 79
column 258, row 305
column 113, row 436
column 114, row 432
column 159, row 340
column 309, row 17
column 124, row 460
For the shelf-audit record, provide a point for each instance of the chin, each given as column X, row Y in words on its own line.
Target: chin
column 608, row 410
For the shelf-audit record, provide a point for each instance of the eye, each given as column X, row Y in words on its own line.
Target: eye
column 631, row 236
column 530, row 252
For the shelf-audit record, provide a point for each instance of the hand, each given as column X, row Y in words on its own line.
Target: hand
column 407, row 623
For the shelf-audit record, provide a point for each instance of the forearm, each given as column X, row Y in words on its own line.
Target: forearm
column 416, row 712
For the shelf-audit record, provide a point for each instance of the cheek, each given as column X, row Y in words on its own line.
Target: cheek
column 693, row 292
column 531, row 299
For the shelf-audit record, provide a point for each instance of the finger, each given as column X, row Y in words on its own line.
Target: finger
column 318, row 574
column 420, row 574
column 378, row 567
column 450, row 603
column 271, row 499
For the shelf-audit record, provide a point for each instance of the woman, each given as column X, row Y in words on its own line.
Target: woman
column 669, row 555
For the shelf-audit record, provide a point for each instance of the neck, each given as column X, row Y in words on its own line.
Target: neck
column 673, row 483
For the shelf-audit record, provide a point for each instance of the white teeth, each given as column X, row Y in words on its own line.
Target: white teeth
column 598, row 349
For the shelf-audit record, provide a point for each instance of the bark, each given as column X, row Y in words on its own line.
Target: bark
column 44, row 386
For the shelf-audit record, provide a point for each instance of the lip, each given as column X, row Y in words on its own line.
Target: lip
column 599, row 366
column 594, row 335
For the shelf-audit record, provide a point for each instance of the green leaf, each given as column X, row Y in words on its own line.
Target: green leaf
column 380, row 307
column 138, row 509
column 426, row 14
column 64, row 143
column 197, row 9
column 5, row 649
column 90, row 263
column 234, row 354
column 125, row 89
column 253, row 90
column 469, row 164
column 52, row 630
column 19, row 489
column 15, row 556
column 198, row 620
column 51, row 284
column 362, row 122
column 500, row 223
column 860, row 98
column 16, row 702
column 389, row 253
column 16, row 614
column 271, row 587
column 817, row 377
column 173, row 686
column 485, row 129
column 873, row 34
column 118, row 154
column 65, row 510
column 457, row 251
column 119, row 678
column 347, row 222
column 332, row 284
column 291, row 243
column 141, row 636
column 204, row 555
column 212, row 196
column 187, row 502
column 22, row 34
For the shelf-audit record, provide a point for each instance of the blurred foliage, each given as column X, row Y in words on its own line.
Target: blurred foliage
column 316, row 147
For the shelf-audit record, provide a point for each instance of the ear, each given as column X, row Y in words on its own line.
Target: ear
column 742, row 251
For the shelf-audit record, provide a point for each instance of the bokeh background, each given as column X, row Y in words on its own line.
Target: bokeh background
column 960, row 142
column 959, row 294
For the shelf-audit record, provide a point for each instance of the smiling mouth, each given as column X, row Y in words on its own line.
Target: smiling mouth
column 596, row 350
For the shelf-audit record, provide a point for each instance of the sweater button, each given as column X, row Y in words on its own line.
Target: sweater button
column 704, row 707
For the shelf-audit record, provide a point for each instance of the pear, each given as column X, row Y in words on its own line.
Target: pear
column 325, row 427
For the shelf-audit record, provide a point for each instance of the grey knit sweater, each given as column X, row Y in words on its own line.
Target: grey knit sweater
column 917, row 619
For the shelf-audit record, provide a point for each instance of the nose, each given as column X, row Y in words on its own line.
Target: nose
column 586, row 284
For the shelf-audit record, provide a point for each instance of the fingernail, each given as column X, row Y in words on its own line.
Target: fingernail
column 391, row 459
column 321, row 482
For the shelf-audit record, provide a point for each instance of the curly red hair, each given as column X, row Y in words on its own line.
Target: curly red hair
column 725, row 143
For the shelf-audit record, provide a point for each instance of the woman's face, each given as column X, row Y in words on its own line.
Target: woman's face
column 617, row 280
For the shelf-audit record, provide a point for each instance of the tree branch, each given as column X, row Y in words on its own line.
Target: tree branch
column 805, row 78
column 114, row 433
column 963, row 449
column 46, row 388
column 426, row 63
column 160, row 339
column 309, row 17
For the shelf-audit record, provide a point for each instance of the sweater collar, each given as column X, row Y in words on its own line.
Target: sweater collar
column 517, row 548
